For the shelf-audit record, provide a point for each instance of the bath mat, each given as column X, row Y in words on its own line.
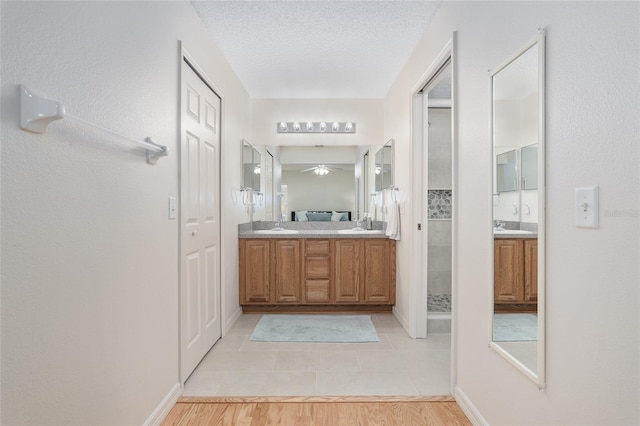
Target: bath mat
column 515, row 327
column 315, row 328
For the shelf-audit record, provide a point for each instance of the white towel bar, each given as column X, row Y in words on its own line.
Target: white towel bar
column 36, row 112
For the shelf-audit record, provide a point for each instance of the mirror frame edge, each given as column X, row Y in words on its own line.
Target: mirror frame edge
column 539, row 377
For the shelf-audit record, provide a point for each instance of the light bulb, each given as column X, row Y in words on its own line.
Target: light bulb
column 348, row 127
column 284, row 127
column 323, row 126
column 296, row 126
column 309, row 126
column 336, row 126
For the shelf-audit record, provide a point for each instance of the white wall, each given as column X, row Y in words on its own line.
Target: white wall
column 366, row 113
column 592, row 139
column 90, row 260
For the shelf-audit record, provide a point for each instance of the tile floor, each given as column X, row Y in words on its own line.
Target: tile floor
column 397, row 365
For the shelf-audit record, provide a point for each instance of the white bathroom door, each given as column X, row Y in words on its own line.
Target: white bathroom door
column 200, row 324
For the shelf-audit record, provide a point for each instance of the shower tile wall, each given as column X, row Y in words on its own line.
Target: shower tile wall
column 439, row 212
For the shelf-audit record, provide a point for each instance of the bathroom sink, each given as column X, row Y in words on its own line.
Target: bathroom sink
column 511, row 231
column 359, row 231
column 277, row 231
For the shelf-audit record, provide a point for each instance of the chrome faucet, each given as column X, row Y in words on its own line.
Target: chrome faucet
column 500, row 224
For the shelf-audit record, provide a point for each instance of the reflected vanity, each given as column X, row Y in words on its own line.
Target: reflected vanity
column 518, row 222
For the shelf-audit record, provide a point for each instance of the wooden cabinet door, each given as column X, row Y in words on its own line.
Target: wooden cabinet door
column 377, row 271
column 530, row 270
column 288, row 271
column 347, row 270
column 255, row 271
column 508, row 270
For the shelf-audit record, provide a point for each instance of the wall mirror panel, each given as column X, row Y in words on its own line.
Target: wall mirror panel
column 384, row 166
column 251, row 166
column 517, row 320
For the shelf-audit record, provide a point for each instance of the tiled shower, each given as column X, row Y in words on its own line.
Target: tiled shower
column 439, row 205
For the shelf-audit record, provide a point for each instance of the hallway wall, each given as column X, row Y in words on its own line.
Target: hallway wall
column 593, row 303
column 89, row 257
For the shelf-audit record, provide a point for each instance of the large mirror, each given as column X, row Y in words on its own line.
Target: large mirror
column 321, row 179
column 251, row 167
column 384, row 167
column 518, row 200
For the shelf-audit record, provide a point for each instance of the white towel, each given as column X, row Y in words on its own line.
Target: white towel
column 393, row 220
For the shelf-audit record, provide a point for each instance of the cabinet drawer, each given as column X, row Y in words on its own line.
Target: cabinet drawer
column 316, row 247
column 317, row 267
column 317, row 291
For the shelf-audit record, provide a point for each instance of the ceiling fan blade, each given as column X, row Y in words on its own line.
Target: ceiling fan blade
column 309, row 169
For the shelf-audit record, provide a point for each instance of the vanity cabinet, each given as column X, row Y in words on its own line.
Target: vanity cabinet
column 515, row 274
column 309, row 274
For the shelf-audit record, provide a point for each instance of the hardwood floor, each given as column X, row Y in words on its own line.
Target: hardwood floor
column 317, row 411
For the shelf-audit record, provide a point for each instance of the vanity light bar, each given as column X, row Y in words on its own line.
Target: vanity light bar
column 316, row 127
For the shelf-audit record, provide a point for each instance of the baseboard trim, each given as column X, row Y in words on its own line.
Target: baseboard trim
column 401, row 320
column 165, row 406
column 469, row 408
column 309, row 399
column 231, row 321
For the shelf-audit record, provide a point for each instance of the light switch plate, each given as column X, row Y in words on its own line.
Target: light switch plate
column 172, row 208
column 587, row 207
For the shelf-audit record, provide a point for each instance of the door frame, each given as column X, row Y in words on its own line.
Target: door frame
column 418, row 194
column 185, row 55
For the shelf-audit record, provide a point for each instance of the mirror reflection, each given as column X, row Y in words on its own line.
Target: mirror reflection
column 518, row 172
column 384, row 167
column 251, row 166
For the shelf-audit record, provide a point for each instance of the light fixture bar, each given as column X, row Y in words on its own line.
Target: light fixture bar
column 316, row 127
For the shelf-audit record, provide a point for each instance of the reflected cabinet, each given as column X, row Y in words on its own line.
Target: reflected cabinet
column 515, row 275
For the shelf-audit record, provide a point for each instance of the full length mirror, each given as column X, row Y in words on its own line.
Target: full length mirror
column 517, row 305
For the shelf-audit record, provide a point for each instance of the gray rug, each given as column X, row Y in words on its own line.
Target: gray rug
column 315, row 328
column 515, row 327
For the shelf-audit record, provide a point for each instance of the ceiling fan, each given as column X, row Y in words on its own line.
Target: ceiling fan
column 321, row 170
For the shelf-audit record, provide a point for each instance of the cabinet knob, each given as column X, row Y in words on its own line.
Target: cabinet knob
column 194, row 233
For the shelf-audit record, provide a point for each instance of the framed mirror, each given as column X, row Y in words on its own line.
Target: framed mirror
column 384, row 166
column 517, row 323
column 251, row 166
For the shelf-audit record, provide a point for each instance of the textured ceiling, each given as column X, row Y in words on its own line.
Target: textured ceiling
column 316, row 49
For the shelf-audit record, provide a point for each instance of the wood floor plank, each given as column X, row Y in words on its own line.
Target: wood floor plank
column 326, row 413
